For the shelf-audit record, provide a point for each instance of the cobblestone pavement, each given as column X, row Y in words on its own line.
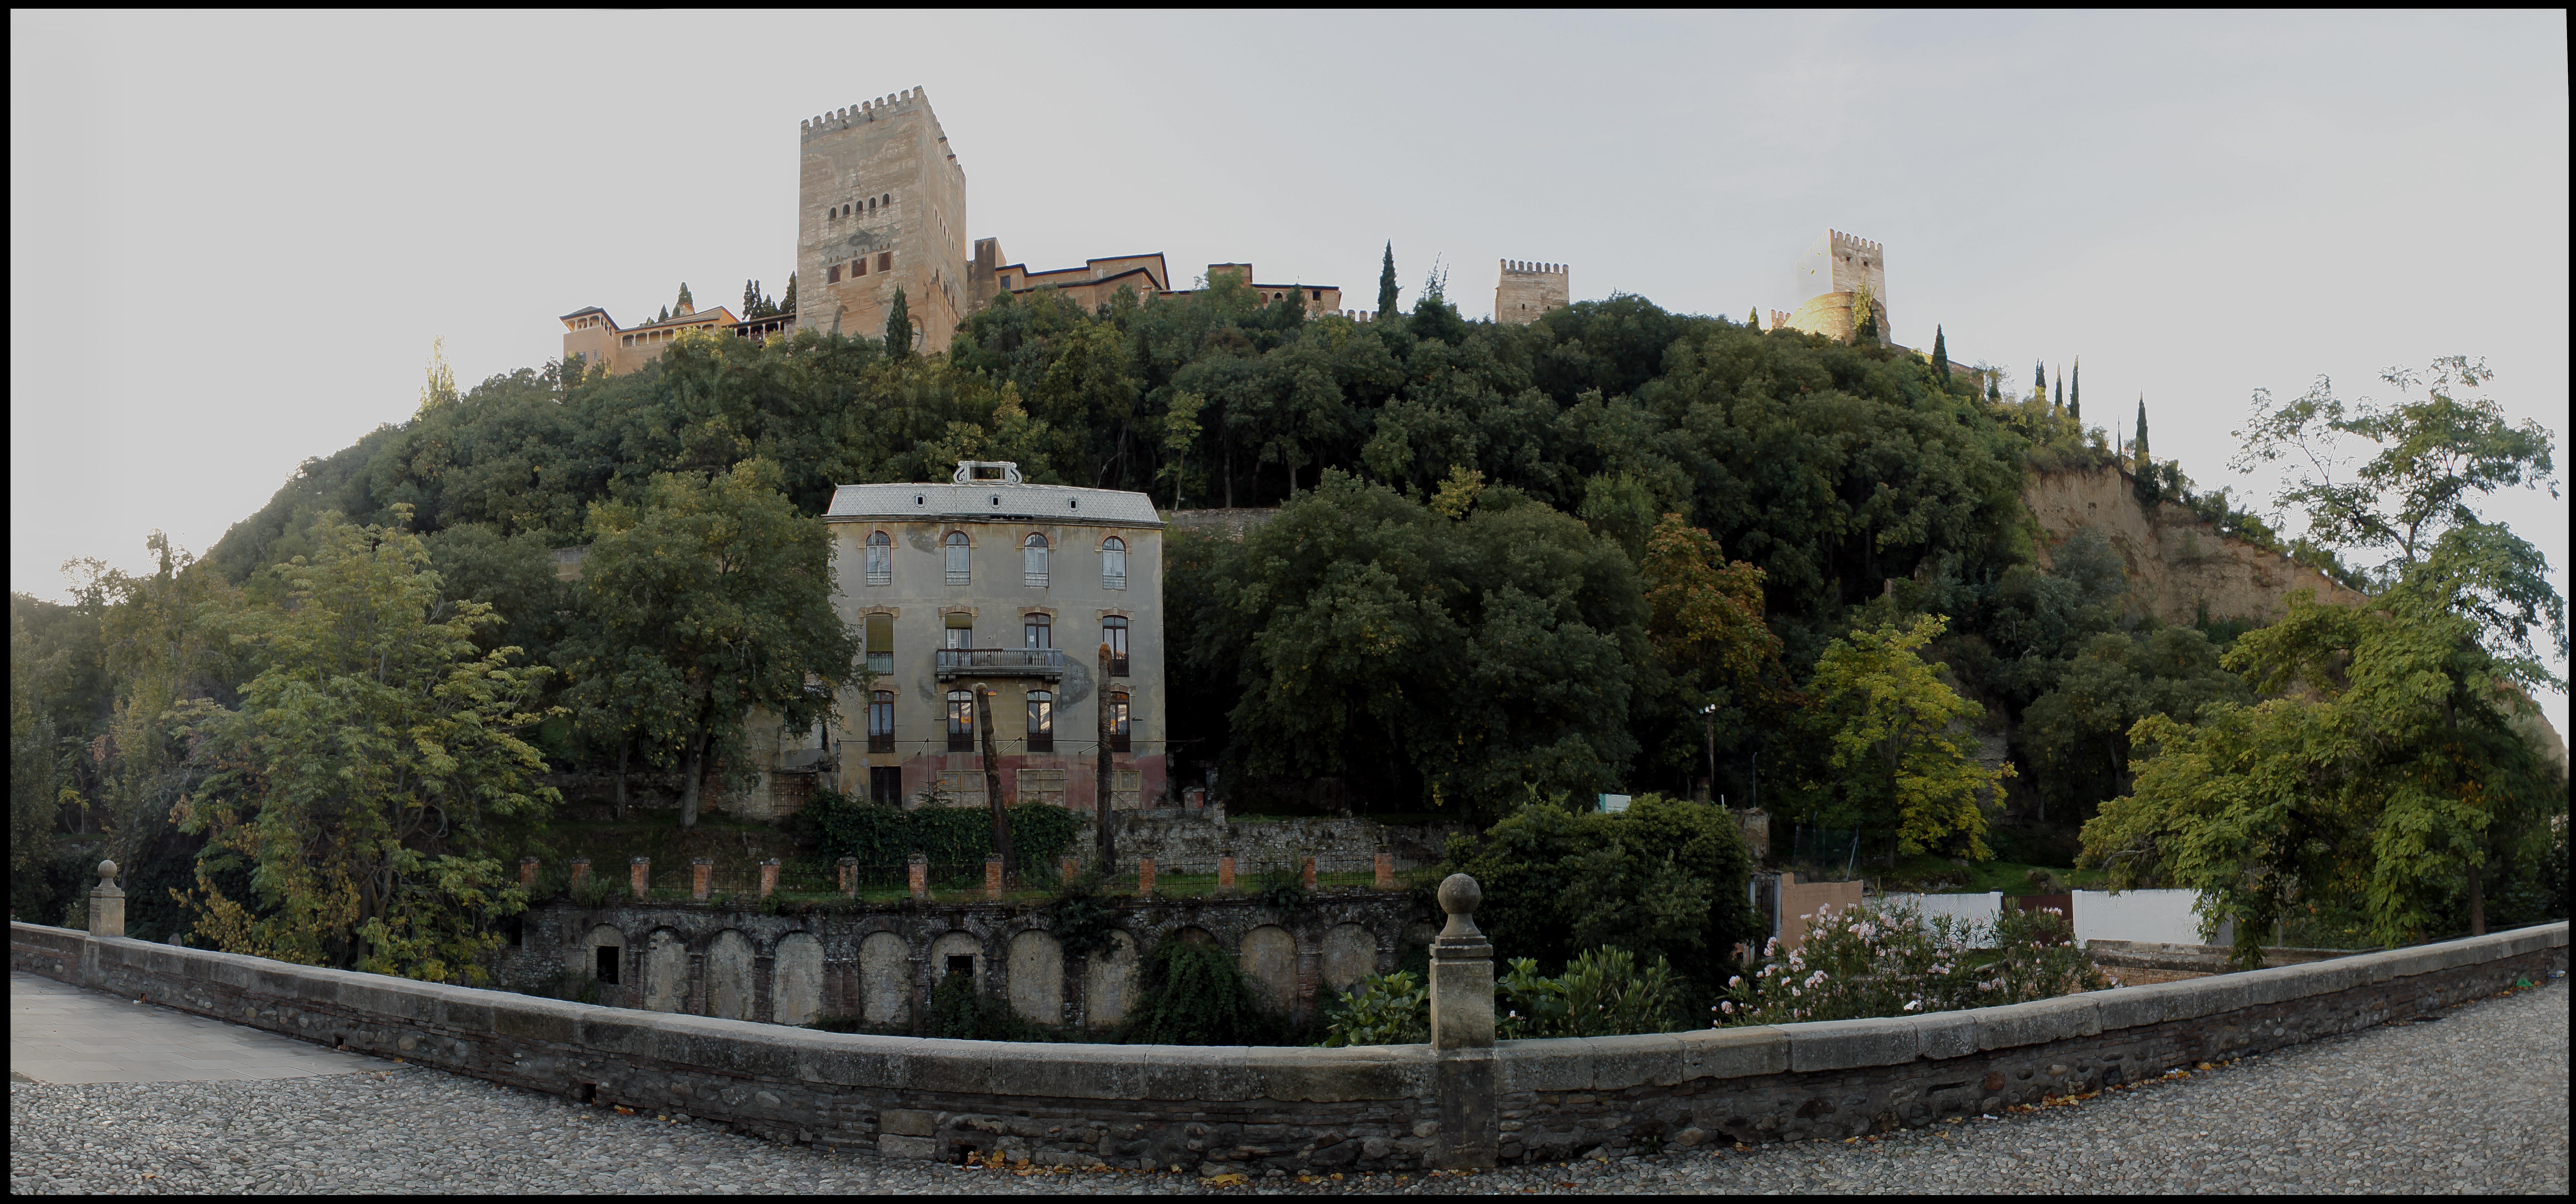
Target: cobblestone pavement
column 2475, row 1101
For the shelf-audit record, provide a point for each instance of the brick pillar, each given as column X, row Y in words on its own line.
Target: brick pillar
column 702, row 871
column 1462, row 1032
column 916, row 871
column 1306, row 875
column 1385, row 867
column 1144, row 876
column 107, row 903
column 580, row 874
column 849, row 867
column 639, row 875
column 1072, row 868
column 992, row 875
column 528, row 874
column 769, row 877
column 1225, row 872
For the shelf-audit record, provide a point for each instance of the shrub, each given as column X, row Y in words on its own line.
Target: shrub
column 1602, row 994
column 879, row 835
column 1196, row 995
column 959, row 1012
column 1381, row 1009
column 1889, row 961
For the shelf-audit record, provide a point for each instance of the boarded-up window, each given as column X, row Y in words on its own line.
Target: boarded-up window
column 961, row 562
column 1042, row 786
column 964, row 787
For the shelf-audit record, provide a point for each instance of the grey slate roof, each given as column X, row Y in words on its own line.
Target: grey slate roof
column 995, row 502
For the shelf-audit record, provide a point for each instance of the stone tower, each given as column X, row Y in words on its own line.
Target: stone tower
column 1833, row 270
column 1527, row 290
column 881, row 204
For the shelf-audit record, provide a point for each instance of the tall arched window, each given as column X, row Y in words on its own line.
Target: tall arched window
column 1041, row 721
column 880, row 634
column 1033, row 561
column 881, row 722
column 1113, row 632
column 960, row 560
column 880, row 558
column 1118, row 739
column 961, row 721
column 1113, row 563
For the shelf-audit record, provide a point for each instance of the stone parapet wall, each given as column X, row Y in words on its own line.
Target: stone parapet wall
column 1373, row 1108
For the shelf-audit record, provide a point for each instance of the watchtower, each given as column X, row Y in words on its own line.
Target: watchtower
column 1526, row 291
column 881, row 205
column 1835, row 269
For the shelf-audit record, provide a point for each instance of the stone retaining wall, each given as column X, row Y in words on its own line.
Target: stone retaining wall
column 1304, row 1108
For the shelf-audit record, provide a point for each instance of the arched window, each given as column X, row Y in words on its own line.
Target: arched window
column 1113, row 563
column 1118, row 738
column 881, row 722
column 961, row 570
column 889, row 199
column 1033, row 561
column 1113, row 632
column 961, row 721
column 872, row 204
column 1041, row 721
column 880, row 558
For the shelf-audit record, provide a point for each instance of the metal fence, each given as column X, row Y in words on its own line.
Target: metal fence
column 1824, row 854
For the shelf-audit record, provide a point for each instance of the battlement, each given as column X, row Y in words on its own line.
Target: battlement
column 1854, row 243
column 865, row 111
column 1524, row 291
column 1515, row 267
column 1779, row 318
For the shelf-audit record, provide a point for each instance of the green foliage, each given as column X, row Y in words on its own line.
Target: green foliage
column 1197, row 995
column 898, row 328
column 1080, row 919
column 1894, row 736
column 2075, row 738
column 1381, row 1009
column 959, row 1012
column 1386, row 284
column 1603, row 993
column 707, row 598
column 1665, row 879
column 2397, row 777
column 1283, row 887
column 366, row 769
column 881, row 835
column 1890, row 961
column 1941, row 355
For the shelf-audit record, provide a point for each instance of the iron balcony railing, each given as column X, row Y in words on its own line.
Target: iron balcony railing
column 1000, row 662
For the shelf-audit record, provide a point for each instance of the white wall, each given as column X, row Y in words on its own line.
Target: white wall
column 1974, row 909
column 2162, row 916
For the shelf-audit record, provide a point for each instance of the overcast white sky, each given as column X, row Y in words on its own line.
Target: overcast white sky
column 233, row 236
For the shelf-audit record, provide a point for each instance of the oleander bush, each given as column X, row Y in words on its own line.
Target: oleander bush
column 1891, row 961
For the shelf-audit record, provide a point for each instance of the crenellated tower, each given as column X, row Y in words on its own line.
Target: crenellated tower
column 1526, row 291
column 881, row 204
column 1833, row 272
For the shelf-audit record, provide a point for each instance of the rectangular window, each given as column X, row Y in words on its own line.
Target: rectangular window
column 1041, row 721
column 832, row 274
column 961, row 721
column 1042, row 786
column 881, row 722
column 1113, row 632
column 880, row 561
column 961, row 631
column 608, row 964
column 880, row 643
column 859, row 267
column 1124, row 786
column 961, row 559
column 885, row 261
column 1037, row 631
column 885, row 785
column 1118, row 741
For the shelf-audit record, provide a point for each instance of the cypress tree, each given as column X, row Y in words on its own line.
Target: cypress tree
column 663, row 316
column 788, row 304
column 686, row 301
column 1386, row 284
column 898, row 332
column 2075, row 396
column 2140, row 438
column 2060, row 402
column 1940, row 355
column 750, row 298
column 2039, row 379
column 1995, row 388
column 1753, row 318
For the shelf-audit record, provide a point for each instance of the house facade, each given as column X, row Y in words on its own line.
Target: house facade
column 986, row 599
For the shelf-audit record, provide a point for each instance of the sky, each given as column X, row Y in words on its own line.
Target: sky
column 234, row 237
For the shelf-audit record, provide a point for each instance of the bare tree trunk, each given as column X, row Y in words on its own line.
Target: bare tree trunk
column 993, row 801
column 625, row 743
column 693, row 768
column 2478, row 894
column 1104, row 836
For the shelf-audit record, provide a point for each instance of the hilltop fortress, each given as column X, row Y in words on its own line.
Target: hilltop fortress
column 881, row 208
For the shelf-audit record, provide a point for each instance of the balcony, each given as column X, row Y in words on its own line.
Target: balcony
column 1045, row 663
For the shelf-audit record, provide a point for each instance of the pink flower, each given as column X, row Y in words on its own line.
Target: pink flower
column 1736, row 981
column 1914, row 1006
column 1728, row 1007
